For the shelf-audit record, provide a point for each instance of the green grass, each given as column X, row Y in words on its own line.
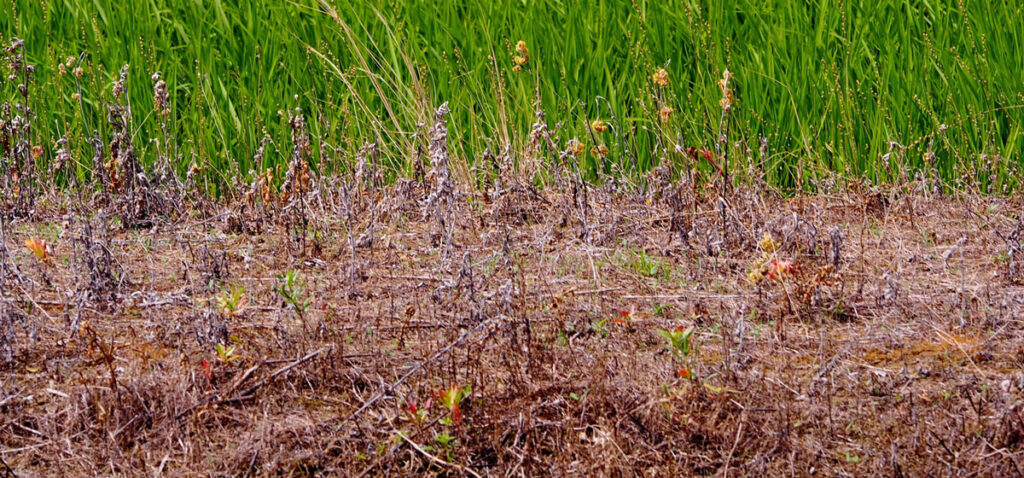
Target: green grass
column 830, row 84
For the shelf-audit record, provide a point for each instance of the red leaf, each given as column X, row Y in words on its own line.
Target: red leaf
column 777, row 269
column 709, row 156
column 207, row 370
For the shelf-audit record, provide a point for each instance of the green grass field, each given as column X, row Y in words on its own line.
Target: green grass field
column 860, row 88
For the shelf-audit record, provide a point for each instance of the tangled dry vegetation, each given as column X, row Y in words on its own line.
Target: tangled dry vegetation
column 418, row 330
column 335, row 325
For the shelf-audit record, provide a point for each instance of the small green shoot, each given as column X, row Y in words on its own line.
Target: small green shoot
column 231, row 303
column 683, row 348
column 227, row 354
column 292, row 289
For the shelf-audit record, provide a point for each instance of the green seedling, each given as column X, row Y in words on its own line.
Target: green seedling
column 227, row 354
column 292, row 289
column 683, row 348
column 231, row 303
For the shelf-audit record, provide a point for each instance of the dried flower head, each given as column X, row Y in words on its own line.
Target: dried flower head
column 63, row 155
column 665, row 112
column 160, row 96
column 660, row 77
column 768, row 243
column 723, row 85
column 600, row 150
column 599, row 126
column 265, row 184
column 724, row 82
column 574, row 147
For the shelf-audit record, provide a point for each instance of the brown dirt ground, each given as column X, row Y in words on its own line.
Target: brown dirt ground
column 901, row 356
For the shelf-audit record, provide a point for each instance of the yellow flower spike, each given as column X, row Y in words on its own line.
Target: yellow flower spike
column 521, row 48
column 660, row 77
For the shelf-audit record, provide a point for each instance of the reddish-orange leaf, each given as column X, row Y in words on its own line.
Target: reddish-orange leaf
column 38, row 248
column 207, row 370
